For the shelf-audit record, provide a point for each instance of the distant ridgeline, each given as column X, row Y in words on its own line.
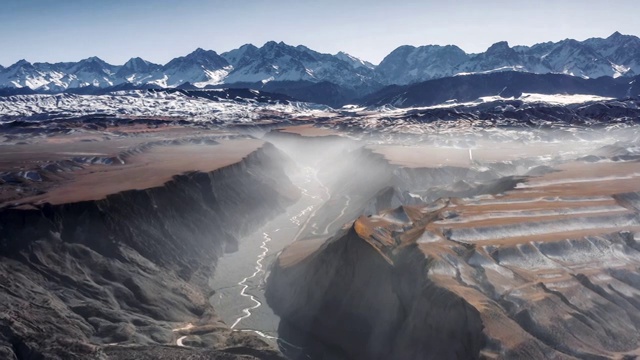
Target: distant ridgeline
column 307, row 75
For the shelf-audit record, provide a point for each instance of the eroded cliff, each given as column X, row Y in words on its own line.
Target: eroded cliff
column 371, row 305
column 82, row 279
column 540, row 266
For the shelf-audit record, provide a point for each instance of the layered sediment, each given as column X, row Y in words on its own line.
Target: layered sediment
column 368, row 306
column 108, row 276
column 541, row 266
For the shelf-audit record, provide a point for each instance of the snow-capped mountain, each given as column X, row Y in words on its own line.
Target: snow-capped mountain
column 138, row 71
column 500, row 57
column 281, row 62
column 575, row 58
column 24, row 74
column 247, row 51
column 247, row 64
column 92, row 71
column 303, row 70
column 409, row 64
column 60, row 76
column 200, row 68
column 355, row 62
column 619, row 49
column 617, row 55
column 44, row 76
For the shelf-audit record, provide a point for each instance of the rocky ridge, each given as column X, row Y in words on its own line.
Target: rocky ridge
column 90, row 272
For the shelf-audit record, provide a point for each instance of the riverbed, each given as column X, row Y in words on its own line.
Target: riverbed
column 239, row 278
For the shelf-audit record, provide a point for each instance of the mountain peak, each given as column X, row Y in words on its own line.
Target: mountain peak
column 615, row 35
column 354, row 61
column 93, row 59
column 21, row 62
column 201, row 52
column 136, row 60
column 615, row 55
column 500, row 46
column 137, row 65
column 276, row 45
column 199, row 67
column 248, row 47
column 199, row 55
column 244, row 53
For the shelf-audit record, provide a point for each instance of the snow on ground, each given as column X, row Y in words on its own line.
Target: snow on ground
column 500, row 69
column 149, row 104
column 528, row 98
column 561, row 99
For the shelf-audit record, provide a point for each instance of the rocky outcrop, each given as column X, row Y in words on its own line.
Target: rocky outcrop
column 371, row 306
column 543, row 266
column 124, row 270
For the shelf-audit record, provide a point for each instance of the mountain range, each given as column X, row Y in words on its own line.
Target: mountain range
column 309, row 75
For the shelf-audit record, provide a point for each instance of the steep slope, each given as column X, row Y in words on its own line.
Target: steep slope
column 23, row 74
column 614, row 56
column 137, row 71
column 200, row 68
column 130, row 268
column 574, row 58
column 505, row 84
column 92, row 71
column 354, row 61
column 623, row 50
column 542, row 269
column 281, row 62
column 252, row 67
column 386, row 307
column 408, row 64
column 499, row 57
column 246, row 51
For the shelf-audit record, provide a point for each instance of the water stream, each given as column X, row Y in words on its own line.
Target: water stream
column 240, row 276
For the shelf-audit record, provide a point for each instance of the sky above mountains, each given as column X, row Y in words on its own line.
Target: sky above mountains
column 159, row 30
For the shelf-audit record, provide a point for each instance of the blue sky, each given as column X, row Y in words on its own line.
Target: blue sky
column 158, row 30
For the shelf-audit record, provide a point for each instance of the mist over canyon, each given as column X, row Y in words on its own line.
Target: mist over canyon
column 278, row 203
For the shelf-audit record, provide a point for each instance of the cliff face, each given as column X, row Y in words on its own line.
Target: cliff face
column 120, row 270
column 543, row 266
column 371, row 306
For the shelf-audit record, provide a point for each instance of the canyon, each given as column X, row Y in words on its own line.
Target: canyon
column 496, row 228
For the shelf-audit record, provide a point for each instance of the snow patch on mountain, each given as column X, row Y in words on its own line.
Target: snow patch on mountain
column 409, row 64
column 355, row 62
column 616, row 56
column 281, row 62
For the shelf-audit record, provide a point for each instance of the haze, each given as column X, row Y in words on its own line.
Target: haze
column 41, row 30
